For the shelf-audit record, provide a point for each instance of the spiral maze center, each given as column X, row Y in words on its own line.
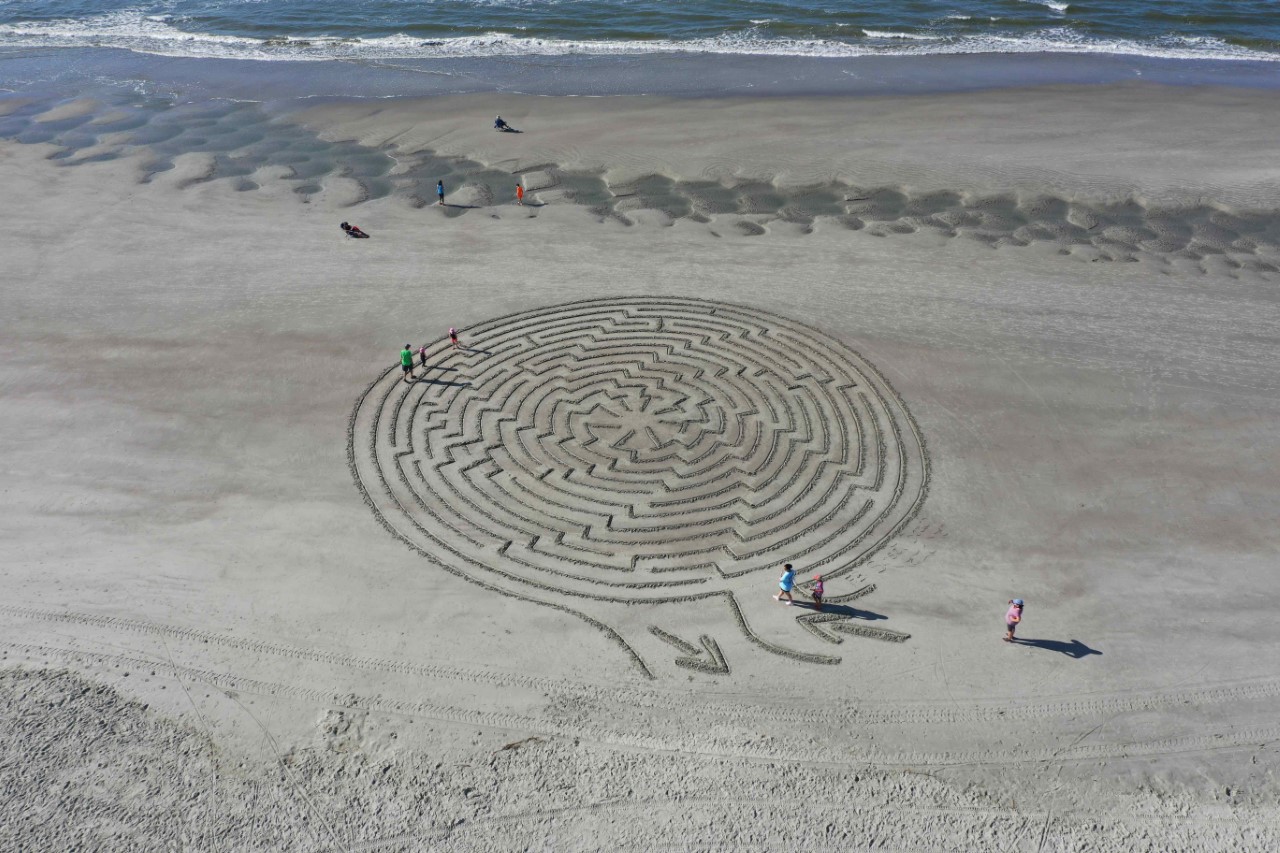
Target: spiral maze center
column 639, row 450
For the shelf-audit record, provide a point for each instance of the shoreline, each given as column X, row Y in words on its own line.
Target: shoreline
column 671, row 75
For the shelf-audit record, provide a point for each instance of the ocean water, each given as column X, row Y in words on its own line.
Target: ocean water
column 1221, row 30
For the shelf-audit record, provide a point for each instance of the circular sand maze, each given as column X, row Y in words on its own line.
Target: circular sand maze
column 639, row 450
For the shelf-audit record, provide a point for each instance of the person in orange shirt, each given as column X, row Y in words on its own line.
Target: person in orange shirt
column 520, row 194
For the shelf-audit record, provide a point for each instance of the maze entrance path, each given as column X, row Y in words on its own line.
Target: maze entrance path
column 639, row 450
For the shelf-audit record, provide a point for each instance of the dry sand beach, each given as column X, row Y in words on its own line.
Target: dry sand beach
column 946, row 350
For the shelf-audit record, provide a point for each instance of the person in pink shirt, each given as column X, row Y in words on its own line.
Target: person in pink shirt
column 817, row 591
column 1012, row 618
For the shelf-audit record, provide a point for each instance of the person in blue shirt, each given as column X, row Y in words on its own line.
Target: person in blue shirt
column 785, row 583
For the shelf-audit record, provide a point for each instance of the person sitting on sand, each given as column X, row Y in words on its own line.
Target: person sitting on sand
column 353, row 230
column 499, row 124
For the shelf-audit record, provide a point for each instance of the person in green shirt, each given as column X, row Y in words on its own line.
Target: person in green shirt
column 406, row 363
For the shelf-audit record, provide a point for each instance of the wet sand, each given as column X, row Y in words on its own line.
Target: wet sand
column 1073, row 292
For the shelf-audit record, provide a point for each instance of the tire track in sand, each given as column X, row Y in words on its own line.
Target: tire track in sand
column 661, row 742
column 923, row 713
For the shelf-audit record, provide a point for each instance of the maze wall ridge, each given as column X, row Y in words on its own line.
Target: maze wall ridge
column 640, row 450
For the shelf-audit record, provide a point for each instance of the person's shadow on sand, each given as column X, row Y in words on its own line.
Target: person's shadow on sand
column 842, row 610
column 444, row 382
column 1074, row 649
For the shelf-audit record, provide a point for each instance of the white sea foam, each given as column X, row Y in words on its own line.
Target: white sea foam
column 162, row 35
column 1051, row 4
column 884, row 34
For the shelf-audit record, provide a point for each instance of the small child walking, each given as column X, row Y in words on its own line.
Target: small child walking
column 785, row 583
column 422, row 357
column 439, row 192
column 1012, row 618
column 520, row 194
column 453, row 337
column 817, row 592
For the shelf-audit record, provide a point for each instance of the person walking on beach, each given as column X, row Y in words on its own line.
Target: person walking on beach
column 520, row 194
column 817, row 592
column 439, row 192
column 1012, row 618
column 453, row 338
column 422, row 358
column 785, row 583
column 406, row 362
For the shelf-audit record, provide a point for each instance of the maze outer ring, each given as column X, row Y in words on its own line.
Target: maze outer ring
column 640, row 450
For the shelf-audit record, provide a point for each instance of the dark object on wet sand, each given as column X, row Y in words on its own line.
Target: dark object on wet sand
column 353, row 230
column 500, row 123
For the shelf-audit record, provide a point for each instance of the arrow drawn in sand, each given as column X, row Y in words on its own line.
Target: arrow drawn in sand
column 861, row 592
column 821, row 625
column 693, row 655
